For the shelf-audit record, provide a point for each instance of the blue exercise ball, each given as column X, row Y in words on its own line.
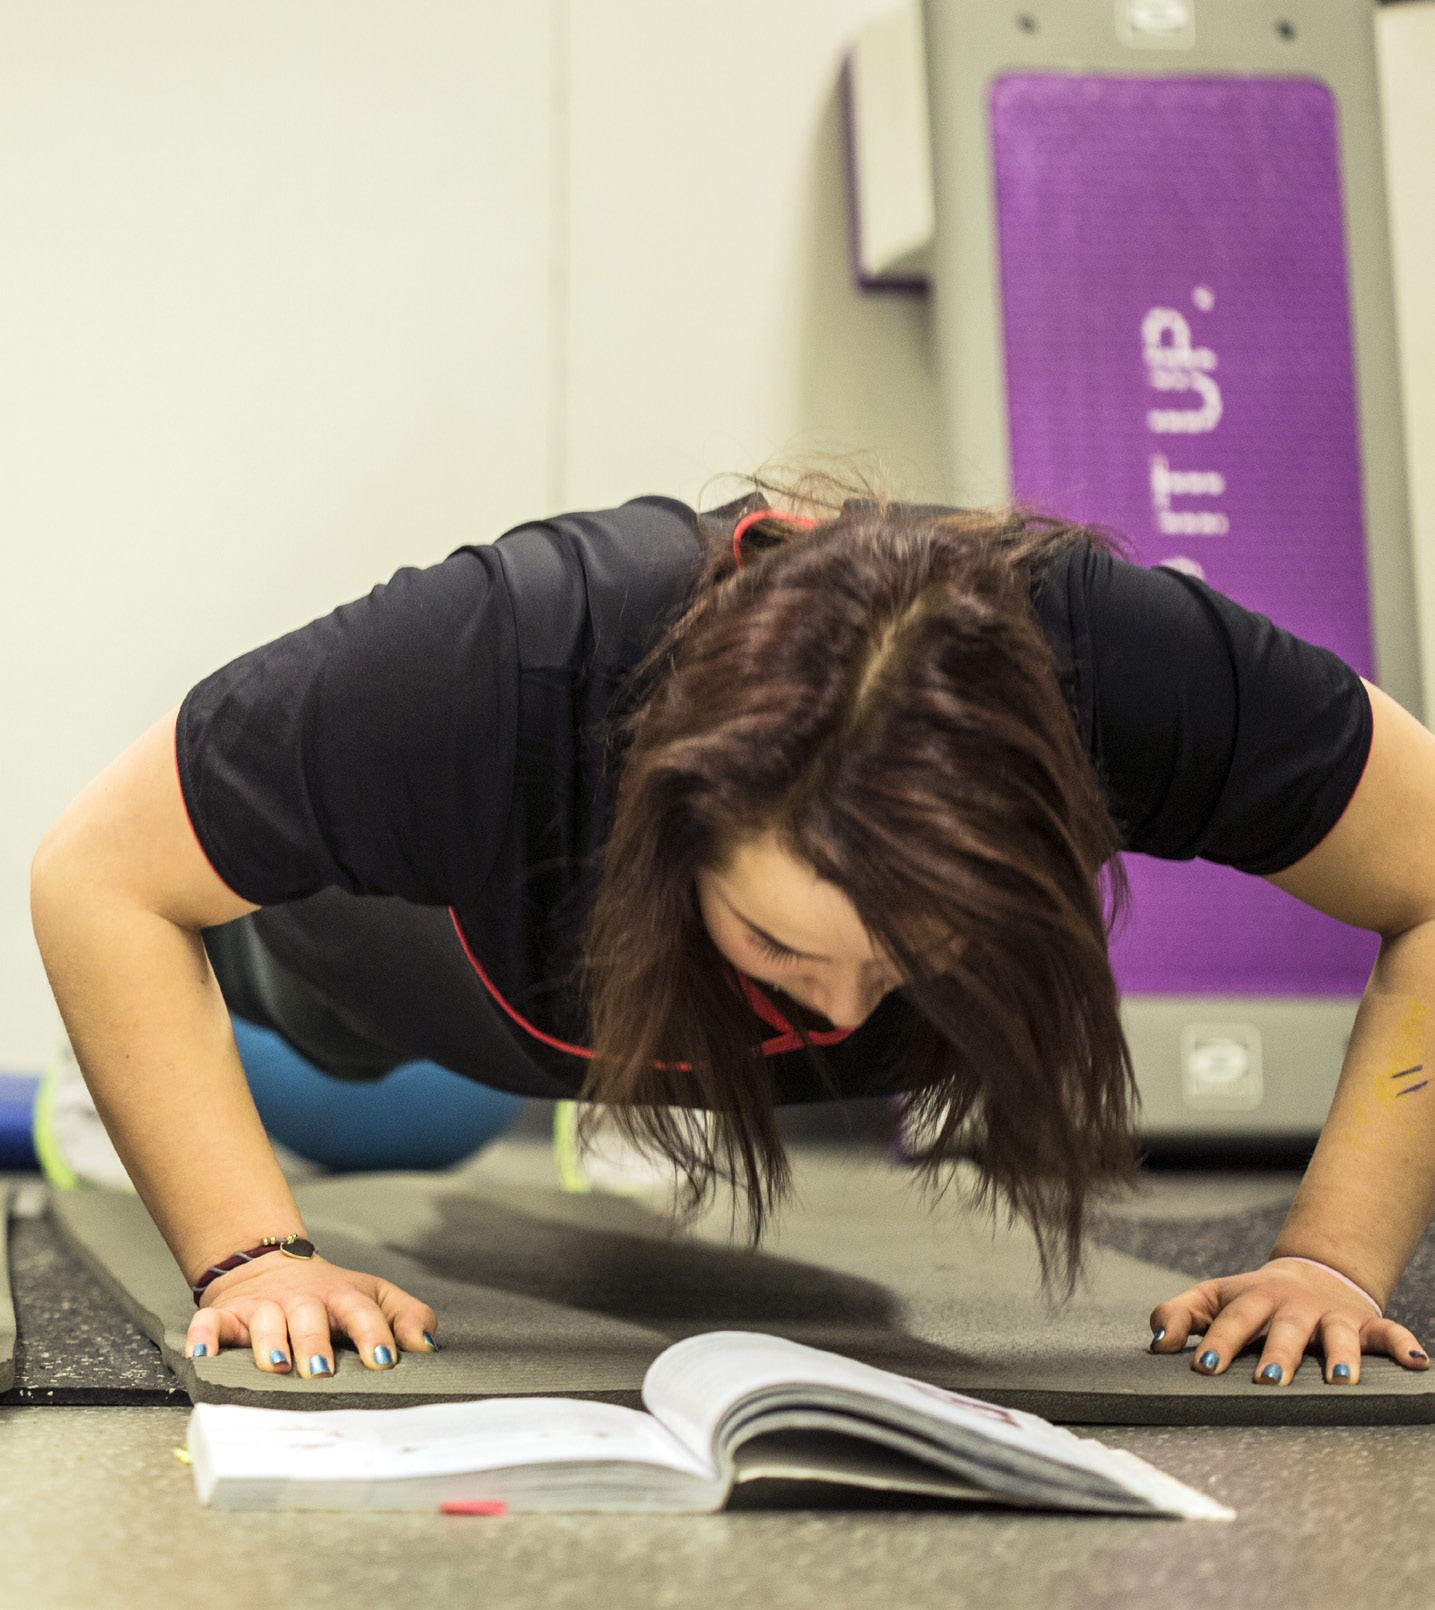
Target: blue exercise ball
column 418, row 1116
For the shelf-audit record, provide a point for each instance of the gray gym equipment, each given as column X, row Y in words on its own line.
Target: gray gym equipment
column 1229, row 1058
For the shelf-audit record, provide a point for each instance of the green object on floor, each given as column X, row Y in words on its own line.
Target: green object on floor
column 565, row 1148
column 48, row 1151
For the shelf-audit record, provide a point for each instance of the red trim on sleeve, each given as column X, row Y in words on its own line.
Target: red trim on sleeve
column 518, row 1018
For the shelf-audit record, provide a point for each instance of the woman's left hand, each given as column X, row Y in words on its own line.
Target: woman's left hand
column 1294, row 1306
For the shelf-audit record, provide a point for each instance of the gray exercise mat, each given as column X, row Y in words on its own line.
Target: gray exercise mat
column 611, row 1259
column 494, row 1344
column 866, row 1266
column 7, row 1306
column 538, row 1292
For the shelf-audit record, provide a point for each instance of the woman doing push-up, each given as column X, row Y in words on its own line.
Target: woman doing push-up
column 696, row 816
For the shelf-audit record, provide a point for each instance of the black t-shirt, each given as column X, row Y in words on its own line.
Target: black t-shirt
column 446, row 740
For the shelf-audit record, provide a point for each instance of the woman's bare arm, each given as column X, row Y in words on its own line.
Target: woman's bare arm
column 1369, row 1192
column 120, row 890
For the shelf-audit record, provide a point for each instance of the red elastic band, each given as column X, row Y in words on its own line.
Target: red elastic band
column 787, row 1040
column 518, row 1018
column 741, row 528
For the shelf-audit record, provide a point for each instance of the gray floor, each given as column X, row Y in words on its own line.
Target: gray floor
column 95, row 1511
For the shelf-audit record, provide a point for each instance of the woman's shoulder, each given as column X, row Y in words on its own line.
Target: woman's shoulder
column 1217, row 732
column 591, row 587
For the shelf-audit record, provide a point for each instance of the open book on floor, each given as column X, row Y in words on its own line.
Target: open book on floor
column 730, row 1406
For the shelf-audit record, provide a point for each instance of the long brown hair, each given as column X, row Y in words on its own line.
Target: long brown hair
column 879, row 692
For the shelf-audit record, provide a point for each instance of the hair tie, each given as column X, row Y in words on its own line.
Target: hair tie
column 1345, row 1280
column 740, row 529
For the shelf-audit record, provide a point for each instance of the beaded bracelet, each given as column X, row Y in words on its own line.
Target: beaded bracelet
column 292, row 1246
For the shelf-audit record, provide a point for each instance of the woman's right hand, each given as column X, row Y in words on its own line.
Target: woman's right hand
column 121, row 892
column 287, row 1309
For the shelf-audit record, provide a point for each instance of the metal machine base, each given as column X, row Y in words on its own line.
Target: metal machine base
column 1235, row 1069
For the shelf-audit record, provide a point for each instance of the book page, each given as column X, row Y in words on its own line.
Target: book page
column 433, row 1440
column 696, row 1385
column 824, row 1456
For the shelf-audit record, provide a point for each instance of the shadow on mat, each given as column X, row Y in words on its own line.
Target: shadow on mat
column 629, row 1268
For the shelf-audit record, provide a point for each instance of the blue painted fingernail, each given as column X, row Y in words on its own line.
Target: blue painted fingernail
column 1416, row 1353
column 1157, row 1337
column 319, row 1365
column 276, row 1357
column 200, row 1351
column 1272, row 1372
column 433, row 1345
column 1341, row 1372
column 1208, row 1361
column 383, row 1356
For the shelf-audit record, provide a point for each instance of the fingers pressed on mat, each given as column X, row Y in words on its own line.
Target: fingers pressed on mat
column 214, row 1328
column 269, row 1337
column 1386, row 1336
column 1237, row 1324
column 309, row 1334
column 1340, row 1344
column 1189, row 1312
column 1192, row 1310
column 202, row 1338
column 1285, row 1348
column 368, row 1330
column 413, row 1323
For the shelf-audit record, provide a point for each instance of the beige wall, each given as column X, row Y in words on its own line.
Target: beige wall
column 712, row 320
column 274, row 318
column 297, row 291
